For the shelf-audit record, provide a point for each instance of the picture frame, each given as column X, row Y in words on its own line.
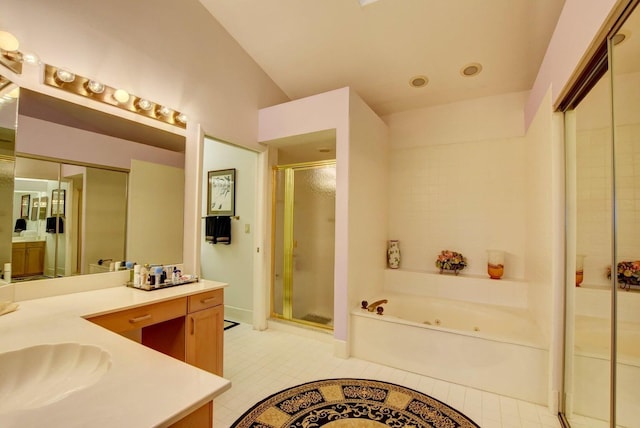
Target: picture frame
column 39, row 208
column 221, row 192
column 58, row 202
column 25, row 202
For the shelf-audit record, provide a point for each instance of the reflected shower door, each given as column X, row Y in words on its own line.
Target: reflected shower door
column 304, row 241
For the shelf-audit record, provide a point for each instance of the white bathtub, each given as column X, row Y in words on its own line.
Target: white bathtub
column 492, row 348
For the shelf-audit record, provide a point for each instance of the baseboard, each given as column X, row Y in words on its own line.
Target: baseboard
column 301, row 330
column 233, row 313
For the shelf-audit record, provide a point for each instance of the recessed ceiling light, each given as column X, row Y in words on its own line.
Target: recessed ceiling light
column 418, row 81
column 471, row 69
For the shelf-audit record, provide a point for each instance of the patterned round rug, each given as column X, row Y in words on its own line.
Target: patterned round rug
column 338, row 403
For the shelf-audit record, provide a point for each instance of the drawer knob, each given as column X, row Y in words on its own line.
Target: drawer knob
column 205, row 301
column 139, row 319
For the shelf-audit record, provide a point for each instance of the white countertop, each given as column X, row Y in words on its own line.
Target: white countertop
column 143, row 388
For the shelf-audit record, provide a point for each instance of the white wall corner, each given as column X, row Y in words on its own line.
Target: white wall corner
column 554, row 402
column 340, row 348
column 194, row 149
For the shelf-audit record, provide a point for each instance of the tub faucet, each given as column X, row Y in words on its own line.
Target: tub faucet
column 372, row 307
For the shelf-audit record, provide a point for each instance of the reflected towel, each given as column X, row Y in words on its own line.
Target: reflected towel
column 51, row 225
column 218, row 230
column 21, row 224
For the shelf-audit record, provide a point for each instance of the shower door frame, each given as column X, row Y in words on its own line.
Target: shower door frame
column 288, row 244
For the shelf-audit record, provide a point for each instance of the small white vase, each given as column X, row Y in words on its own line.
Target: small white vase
column 393, row 254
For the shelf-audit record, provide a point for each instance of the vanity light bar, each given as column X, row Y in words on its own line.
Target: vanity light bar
column 89, row 88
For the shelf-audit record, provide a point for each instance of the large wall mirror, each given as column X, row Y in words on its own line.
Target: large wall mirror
column 602, row 364
column 65, row 194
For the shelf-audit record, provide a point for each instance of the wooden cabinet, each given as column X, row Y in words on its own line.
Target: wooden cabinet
column 27, row 258
column 143, row 316
column 187, row 328
column 204, row 339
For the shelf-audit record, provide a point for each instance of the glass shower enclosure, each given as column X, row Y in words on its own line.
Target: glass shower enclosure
column 304, row 243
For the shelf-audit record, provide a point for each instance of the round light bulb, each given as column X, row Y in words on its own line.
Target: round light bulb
column 30, row 58
column 95, row 86
column 164, row 111
column 182, row 118
column 65, row 75
column 145, row 105
column 8, row 41
column 121, row 96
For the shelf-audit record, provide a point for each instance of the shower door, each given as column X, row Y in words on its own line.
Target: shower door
column 303, row 243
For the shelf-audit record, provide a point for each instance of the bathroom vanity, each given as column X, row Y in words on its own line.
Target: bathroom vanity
column 27, row 258
column 142, row 387
column 187, row 328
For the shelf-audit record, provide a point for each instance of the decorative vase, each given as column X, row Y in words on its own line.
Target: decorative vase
column 495, row 263
column 393, row 254
column 579, row 269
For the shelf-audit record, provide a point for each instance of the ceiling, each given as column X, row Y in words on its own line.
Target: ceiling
column 313, row 46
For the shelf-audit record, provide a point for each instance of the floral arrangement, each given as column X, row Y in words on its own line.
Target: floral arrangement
column 450, row 260
column 628, row 273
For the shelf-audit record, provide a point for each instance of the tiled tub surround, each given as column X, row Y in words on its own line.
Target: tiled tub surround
column 492, row 347
column 142, row 387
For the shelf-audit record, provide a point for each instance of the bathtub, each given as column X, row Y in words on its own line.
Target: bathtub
column 492, row 348
column 591, row 358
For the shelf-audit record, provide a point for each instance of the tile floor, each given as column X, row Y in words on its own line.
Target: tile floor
column 261, row 363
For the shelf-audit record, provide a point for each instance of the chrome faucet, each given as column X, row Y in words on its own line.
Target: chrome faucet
column 372, row 307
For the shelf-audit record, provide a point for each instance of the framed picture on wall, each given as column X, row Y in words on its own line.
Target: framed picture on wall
column 221, row 192
column 24, row 206
column 57, row 202
column 39, row 208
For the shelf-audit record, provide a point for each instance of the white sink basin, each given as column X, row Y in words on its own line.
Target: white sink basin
column 40, row 375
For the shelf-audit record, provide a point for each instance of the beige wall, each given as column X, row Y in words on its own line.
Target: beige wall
column 173, row 53
column 541, row 186
column 369, row 189
column 155, row 216
column 105, row 212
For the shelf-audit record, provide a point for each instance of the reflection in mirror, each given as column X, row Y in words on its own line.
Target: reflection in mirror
column 625, row 71
column 8, row 118
column 602, row 364
column 75, row 217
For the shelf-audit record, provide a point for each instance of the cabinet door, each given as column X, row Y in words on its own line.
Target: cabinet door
column 204, row 340
column 17, row 259
column 34, row 259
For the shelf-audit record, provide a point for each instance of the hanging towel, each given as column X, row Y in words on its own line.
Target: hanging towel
column 21, row 224
column 51, row 225
column 218, row 230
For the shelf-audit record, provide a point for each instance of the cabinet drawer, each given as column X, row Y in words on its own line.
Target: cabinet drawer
column 131, row 319
column 205, row 300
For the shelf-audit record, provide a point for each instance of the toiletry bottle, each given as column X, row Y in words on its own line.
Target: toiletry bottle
column 144, row 274
column 174, row 275
column 158, row 275
column 137, row 281
column 163, row 275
